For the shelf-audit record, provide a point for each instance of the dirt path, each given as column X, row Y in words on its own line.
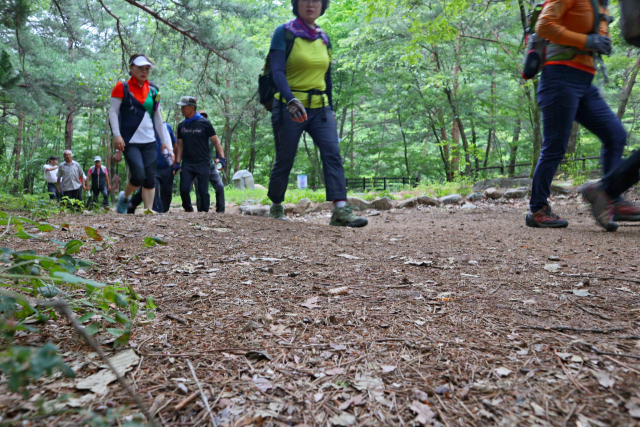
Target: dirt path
column 434, row 316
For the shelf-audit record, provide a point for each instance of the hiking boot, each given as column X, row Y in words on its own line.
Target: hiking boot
column 121, row 204
column 601, row 205
column 131, row 209
column 624, row 210
column 344, row 217
column 276, row 211
column 544, row 218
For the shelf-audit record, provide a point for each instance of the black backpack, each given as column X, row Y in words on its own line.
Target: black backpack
column 266, row 85
column 630, row 21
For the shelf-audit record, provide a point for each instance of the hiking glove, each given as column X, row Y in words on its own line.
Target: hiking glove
column 598, row 43
column 221, row 160
column 176, row 168
column 296, row 109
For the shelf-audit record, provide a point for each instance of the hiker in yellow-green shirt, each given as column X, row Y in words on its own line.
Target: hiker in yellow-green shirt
column 301, row 67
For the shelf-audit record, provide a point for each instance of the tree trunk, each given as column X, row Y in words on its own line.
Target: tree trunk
column 511, row 170
column 68, row 130
column 492, row 130
column 474, row 145
column 3, row 121
column 573, row 139
column 627, row 89
column 445, row 161
column 459, row 128
column 351, row 155
column 404, row 139
column 343, row 119
column 17, row 148
column 445, row 147
column 384, row 123
column 252, row 156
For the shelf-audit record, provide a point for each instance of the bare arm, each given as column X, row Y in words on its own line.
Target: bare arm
column 179, row 151
column 216, row 143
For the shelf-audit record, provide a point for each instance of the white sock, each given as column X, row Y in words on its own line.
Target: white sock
column 276, row 204
column 340, row 204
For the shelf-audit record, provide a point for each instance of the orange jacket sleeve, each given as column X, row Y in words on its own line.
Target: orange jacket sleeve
column 550, row 25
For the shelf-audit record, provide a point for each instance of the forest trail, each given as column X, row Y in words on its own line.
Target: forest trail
column 428, row 317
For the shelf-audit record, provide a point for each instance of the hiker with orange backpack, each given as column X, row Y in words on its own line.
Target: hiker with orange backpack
column 578, row 33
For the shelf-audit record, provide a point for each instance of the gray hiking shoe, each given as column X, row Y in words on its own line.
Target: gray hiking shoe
column 276, row 211
column 601, row 205
column 344, row 217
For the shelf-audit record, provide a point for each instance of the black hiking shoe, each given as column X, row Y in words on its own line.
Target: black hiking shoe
column 344, row 217
column 544, row 218
column 602, row 206
column 277, row 212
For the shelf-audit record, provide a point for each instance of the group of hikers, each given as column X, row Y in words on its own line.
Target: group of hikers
column 300, row 78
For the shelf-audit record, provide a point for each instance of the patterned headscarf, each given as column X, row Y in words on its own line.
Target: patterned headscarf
column 299, row 29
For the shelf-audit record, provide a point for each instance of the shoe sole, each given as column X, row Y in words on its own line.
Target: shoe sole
column 533, row 224
column 629, row 218
column 355, row 224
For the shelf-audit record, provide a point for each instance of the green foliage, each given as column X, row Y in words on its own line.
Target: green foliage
column 112, row 309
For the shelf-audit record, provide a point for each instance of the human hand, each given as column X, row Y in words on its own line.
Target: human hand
column 297, row 111
column 118, row 143
column 598, row 43
column 222, row 161
column 176, row 168
column 117, row 157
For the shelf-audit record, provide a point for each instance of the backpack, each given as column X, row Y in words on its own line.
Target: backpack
column 266, row 85
column 630, row 21
column 538, row 50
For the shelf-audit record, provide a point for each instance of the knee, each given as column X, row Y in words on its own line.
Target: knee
column 149, row 182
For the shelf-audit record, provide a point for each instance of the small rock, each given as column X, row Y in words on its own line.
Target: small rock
column 421, row 396
column 516, row 193
column 443, row 389
column 428, row 201
column 554, row 258
column 474, row 197
column 586, row 281
column 302, row 206
column 452, row 199
column 469, row 206
column 408, row 203
column 493, row 193
column 383, row 204
column 358, row 204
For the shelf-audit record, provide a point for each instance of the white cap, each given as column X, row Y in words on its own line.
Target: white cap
column 141, row 61
column 97, row 159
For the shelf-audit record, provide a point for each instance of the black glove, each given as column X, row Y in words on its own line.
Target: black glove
column 222, row 161
column 176, row 168
column 296, row 109
column 598, row 43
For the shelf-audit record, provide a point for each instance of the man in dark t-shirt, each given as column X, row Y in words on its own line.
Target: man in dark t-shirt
column 194, row 133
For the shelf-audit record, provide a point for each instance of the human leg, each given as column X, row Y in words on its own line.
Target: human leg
column 134, row 201
column 287, row 135
column 105, row 197
column 165, row 177
column 150, row 160
column 218, row 186
column 157, row 201
column 186, row 179
column 202, row 172
column 198, row 201
column 325, row 136
column 53, row 191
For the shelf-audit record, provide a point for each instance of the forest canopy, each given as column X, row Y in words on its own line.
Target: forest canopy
column 426, row 89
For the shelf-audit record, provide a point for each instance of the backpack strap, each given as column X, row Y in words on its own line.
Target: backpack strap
column 289, row 40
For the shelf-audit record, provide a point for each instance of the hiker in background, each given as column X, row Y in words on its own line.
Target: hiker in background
column 214, row 176
column 578, row 35
column 164, row 180
column 70, row 177
column 51, row 177
column 99, row 182
column 135, row 118
column 300, row 58
column 194, row 134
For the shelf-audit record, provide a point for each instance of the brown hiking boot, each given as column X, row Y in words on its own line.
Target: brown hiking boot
column 544, row 218
column 602, row 206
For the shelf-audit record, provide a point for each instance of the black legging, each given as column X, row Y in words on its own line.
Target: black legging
column 623, row 177
column 141, row 159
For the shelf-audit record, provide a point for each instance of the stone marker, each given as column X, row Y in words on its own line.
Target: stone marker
column 493, row 193
column 383, row 204
column 452, row 199
column 358, row 204
column 474, row 197
column 408, row 203
column 255, row 210
column 428, row 201
column 325, row 206
column 469, row 206
column 516, row 193
column 302, row 206
column 243, row 180
column 288, row 208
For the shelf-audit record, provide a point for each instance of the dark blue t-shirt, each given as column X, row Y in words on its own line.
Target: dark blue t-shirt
column 195, row 141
